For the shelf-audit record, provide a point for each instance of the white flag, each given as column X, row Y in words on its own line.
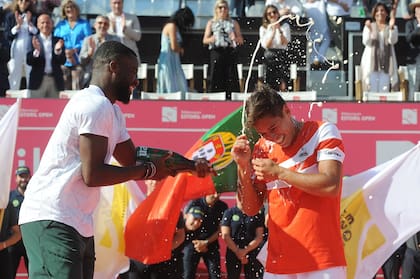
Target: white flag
column 116, row 204
column 8, row 132
column 379, row 212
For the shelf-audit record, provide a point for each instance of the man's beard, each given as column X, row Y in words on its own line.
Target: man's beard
column 123, row 93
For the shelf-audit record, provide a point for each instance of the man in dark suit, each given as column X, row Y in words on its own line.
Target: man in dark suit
column 46, row 57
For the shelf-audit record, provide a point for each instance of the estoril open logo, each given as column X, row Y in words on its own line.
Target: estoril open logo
column 216, row 149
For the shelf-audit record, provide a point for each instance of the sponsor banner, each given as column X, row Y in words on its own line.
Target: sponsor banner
column 373, row 132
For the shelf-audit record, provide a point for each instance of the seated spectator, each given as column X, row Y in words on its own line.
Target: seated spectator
column 73, row 30
column 46, row 58
column 379, row 63
column 91, row 43
column 20, row 25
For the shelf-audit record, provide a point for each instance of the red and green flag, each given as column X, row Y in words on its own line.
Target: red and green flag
column 149, row 230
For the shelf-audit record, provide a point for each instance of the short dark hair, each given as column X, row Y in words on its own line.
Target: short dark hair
column 263, row 102
column 111, row 50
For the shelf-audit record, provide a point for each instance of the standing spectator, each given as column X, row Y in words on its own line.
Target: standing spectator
column 91, row 43
column 171, row 77
column 286, row 7
column 9, row 235
column 17, row 251
column 125, row 26
column 56, row 217
column 50, row 7
column 19, row 26
column 274, row 37
column 319, row 32
column 338, row 11
column 223, row 35
column 239, row 8
column 379, row 63
column 4, row 72
column 73, row 30
column 243, row 235
column 204, row 242
column 412, row 29
column 297, row 166
column 411, row 262
column 46, row 58
column 5, row 5
column 46, row 6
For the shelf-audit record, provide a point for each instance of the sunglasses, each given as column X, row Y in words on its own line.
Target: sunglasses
column 272, row 13
column 222, row 7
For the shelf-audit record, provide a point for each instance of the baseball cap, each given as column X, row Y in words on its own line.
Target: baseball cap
column 22, row 170
column 196, row 212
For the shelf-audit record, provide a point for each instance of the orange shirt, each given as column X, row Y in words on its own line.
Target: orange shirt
column 304, row 230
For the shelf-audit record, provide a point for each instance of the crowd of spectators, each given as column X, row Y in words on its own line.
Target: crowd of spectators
column 26, row 45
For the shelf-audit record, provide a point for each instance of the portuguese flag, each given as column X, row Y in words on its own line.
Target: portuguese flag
column 149, row 230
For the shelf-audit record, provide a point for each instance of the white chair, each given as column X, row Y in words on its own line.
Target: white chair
column 22, row 93
column 67, row 94
column 214, row 96
column 238, row 96
column 161, row 96
column 142, row 75
column 156, row 77
column 205, row 70
column 189, row 74
column 299, row 95
column 383, row 96
column 416, row 96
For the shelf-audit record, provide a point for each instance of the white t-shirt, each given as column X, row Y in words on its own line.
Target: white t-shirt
column 57, row 191
column 267, row 33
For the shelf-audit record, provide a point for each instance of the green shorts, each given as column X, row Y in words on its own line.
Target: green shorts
column 58, row 251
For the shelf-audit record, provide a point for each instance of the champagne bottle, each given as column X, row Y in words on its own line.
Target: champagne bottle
column 175, row 162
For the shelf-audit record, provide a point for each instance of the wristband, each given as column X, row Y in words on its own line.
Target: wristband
column 150, row 170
